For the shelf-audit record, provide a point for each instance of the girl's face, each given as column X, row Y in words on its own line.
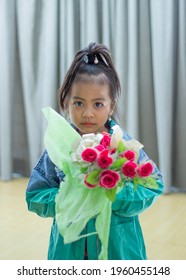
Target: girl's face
column 89, row 106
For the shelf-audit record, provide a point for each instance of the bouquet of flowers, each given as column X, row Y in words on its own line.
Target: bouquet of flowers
column 107, row 161
column 95, row 167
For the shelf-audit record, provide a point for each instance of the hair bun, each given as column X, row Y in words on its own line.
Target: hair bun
column 90, row 58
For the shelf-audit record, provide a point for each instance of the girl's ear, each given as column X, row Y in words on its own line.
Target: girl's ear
column 66, row 107
column 66, row 114
column 66, row 111
column 112, row 108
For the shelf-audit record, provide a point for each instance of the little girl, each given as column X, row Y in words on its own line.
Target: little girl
column 88, row 97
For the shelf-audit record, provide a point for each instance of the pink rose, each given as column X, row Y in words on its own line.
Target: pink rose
column 88, row 184
column 129, row 169
column 100, row 147
column 130, row 155
column 112, row 151
column 109, row 179
column 104, row 160
column 105, row 141
column 89, row 154
column 145, row 169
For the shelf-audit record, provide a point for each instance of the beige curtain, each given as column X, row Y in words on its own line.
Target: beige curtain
column 148, row 42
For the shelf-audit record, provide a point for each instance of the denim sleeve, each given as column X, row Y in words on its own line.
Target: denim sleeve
column 129, row 202
column 43, row 186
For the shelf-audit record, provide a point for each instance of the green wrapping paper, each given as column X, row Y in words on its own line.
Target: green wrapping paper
column 75, row 203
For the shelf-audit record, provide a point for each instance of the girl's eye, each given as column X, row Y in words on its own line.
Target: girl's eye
column 98, row 105
column 78, row 103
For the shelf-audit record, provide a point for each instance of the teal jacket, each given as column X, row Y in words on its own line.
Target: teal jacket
column 125, row 239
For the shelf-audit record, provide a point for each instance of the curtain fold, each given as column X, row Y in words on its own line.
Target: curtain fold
column 164, row 42
column 147, row 39
column 37, row 32
column 7, row 74
column 179, row 154
column 121, row 56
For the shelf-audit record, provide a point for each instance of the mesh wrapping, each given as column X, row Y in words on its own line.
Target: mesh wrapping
column 75, row 203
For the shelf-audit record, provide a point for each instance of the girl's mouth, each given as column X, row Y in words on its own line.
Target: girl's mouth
column 88, row 124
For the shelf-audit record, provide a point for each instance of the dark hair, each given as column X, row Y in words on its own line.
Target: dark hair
column 93, row 63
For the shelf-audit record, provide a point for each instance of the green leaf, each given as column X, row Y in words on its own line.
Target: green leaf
column 118, row 163
column 121, row 147
column 93, row 177
column 120, row 184
column 111, row 194
column 136, row 182
column 83, row 169
column 148, row 182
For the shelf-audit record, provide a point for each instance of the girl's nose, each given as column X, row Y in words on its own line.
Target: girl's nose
column 88, row 113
